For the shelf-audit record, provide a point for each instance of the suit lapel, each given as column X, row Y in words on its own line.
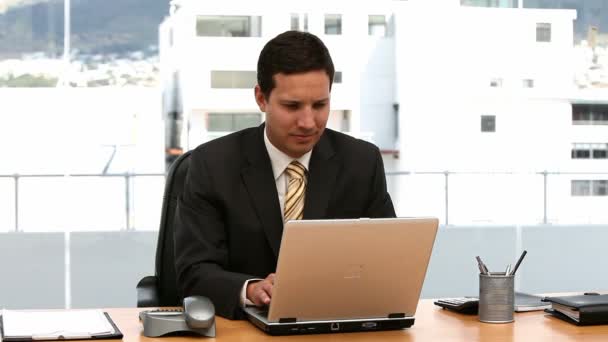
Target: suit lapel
column 323, row 170
column 261, row 187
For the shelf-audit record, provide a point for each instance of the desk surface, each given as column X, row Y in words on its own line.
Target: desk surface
column 432, row 324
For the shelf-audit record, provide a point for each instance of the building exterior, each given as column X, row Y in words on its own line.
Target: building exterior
column 213, row 48
column 484, row 95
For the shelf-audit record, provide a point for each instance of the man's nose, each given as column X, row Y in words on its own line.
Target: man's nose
column 306, row 119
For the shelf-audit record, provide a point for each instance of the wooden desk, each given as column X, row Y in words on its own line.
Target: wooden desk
column 432, row 324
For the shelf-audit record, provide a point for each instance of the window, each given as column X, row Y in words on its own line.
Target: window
column 496, row 82
column 228, row 26
column 600, row 187
column 333, row 24
column 488, row 123
column 589, row 151
column 528, row 83
column 338, row 77
column 376, row 25
column 600, row 153
column 543, row 32
column 580, row 187
column 295, row 22
column 230, row 79
column 589, row 114
column 231, row 122
column 595, row 187
column 490, row 3
column 600, row 117
column 580, row 153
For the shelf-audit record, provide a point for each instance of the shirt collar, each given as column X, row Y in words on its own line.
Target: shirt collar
column 280, row 160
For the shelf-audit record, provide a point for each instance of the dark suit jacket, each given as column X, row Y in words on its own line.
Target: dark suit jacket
column 228, row 221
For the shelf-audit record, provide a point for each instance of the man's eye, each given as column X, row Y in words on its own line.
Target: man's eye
column 319, row 105
column 292, row 106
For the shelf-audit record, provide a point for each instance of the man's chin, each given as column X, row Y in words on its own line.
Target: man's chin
column 298, row 150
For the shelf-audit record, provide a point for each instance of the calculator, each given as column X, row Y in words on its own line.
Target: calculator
column 465, row 305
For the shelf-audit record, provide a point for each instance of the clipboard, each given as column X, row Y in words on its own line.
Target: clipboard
column 62, row 333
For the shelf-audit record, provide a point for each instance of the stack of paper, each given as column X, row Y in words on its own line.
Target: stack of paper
column 52, row 325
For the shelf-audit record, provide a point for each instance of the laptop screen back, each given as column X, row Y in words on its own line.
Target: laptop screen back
column 349, row 269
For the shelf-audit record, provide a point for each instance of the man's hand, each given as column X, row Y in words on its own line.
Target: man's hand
column 260, row 292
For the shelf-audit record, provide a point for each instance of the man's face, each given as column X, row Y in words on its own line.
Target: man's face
column 296, row 111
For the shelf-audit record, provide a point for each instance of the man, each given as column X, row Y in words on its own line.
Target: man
column 241, row 188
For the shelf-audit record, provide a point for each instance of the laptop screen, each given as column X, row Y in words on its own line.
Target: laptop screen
column 350, row 269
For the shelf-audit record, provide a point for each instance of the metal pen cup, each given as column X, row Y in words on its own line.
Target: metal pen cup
column 496, row 297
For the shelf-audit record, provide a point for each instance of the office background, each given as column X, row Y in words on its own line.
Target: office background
column 497, row 128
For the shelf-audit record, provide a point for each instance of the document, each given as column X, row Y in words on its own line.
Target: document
column 20, row 325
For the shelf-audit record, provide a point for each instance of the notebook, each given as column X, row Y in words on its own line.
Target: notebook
column 29, row 325
column 587, row 309
column 348, row 275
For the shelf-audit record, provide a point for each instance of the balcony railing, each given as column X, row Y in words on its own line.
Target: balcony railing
column 456, row 198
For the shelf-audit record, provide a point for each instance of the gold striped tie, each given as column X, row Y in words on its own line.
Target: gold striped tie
column 296, row 189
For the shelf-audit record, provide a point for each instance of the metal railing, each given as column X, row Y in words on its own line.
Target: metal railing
column 446, row 175
column 128, row 185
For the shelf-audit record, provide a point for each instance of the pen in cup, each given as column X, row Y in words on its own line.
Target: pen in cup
column 482, row 267
column 518, row 262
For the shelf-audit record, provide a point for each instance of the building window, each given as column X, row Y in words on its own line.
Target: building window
column 488, row 123
column 333, row 24
column 581, row 151
column 580, row 187
column 528, row 83
column 231, row 122
column 601, row 153
column 595, row 187
column 589, row 151
column 232, row 79
column 376, row 25
column 228, row 26
column 543, row 32
column 295, row 22
column 490, row 3
column 589, row 114
column 496, row 82
column 600, row 187
column 338, row 77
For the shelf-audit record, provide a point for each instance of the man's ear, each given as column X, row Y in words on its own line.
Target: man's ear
column 260, row 98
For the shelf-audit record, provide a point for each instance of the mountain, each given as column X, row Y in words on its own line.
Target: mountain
column 97, row 26
column 118, row 26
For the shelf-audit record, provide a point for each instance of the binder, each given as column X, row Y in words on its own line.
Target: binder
column 36, row 325
column 588, row 309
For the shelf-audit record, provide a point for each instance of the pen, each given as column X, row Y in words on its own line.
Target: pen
column 508, row 270
column 479, row 265
column 482, row 266
column 518, row 262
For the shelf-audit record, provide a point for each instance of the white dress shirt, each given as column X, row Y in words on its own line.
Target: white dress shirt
column 279, row 162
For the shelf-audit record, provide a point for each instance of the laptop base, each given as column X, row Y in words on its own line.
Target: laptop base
column 326, row 327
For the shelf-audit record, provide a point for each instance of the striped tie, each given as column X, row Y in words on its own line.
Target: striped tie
column 294, row 199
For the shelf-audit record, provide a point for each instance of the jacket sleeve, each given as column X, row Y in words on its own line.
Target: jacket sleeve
column 380, row 203
column 201, row 249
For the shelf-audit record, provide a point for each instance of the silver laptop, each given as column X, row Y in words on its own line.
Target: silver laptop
column 348, row 275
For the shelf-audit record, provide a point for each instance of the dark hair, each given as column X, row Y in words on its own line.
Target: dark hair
column 292, row 52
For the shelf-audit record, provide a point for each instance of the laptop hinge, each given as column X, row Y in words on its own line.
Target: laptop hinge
column 396, row 315
column 287, row 320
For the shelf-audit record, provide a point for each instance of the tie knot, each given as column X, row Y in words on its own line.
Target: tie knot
column 296, row 170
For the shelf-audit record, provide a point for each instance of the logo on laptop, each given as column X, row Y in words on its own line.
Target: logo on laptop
column 353, row 271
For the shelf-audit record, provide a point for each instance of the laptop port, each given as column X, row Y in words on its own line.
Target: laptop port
column 369, row 325
column 335, row 326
